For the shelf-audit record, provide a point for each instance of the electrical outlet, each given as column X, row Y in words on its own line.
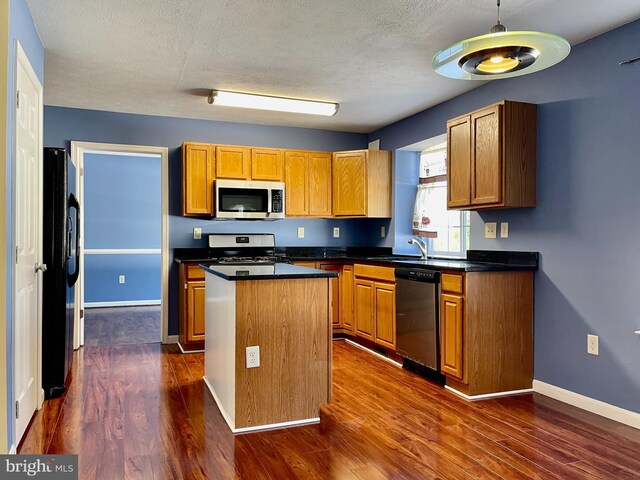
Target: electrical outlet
column 300, row 232
column 504, row 230
column 121, row 279
column 336, row 232
column 490, row 229
column 197, row 233
column 253, row 357
column 592, row 344
column 383, row 232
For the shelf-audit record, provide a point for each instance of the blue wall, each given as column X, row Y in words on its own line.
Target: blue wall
column 22, row 29
column 122, row 210
column 586, row 221
column 65, row 124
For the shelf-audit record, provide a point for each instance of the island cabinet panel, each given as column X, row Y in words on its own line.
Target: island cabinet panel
column 267, row 164
column 294, row 376
column 198, row 173
column 491, row 157
column 451, row 335
column 191, row 308
column 296, row 178
column 364, row 308
column 349, row 184
column 233, row 162
column 486, row 332
column 346, row 299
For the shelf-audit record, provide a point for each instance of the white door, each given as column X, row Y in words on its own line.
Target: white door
column 28, row 161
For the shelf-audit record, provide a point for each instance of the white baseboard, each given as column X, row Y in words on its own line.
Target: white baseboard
column 127, row 303
column 589, row 404
column 229, row 420
column 382, row 357
column 486, row 396
column 12, row 450
column 172, row 339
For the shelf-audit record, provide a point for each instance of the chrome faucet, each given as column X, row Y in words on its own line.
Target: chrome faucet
column 422, row 245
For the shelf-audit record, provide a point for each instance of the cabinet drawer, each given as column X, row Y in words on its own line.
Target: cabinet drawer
column 194, row 272
column 452, row 283
column 375, row 272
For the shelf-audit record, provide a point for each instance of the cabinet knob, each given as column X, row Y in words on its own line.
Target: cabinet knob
column 185, row 286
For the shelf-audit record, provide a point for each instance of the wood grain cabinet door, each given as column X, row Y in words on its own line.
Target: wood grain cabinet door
column 349, row 193
column 451, row 335
column 459, row 162
column 296, row 180
column 385, row 305
column 233, row 162
column 320, row 184
column 364, row 308
column 267, row 164
column 346, row 298
column 486, row 156
column 335, row 293
column 198, row 168
column 195, row 311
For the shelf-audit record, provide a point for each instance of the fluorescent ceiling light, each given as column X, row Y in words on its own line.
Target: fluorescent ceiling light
column 278, row 104
column 500, row 54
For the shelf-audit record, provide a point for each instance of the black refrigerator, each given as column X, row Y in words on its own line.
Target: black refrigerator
column 61, row 214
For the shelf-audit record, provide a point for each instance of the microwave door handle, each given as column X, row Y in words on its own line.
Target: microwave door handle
column 269, row 206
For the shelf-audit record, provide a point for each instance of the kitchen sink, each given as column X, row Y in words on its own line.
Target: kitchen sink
column 391, row 258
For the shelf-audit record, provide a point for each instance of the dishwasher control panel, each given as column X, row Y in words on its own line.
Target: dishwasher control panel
column 419, row 275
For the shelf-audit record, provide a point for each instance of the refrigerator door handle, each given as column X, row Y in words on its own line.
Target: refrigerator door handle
column 73, row 203
column 41, row 267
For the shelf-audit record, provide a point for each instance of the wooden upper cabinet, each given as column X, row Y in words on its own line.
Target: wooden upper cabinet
column 233, row 162
column 451, row 335
column 296, row 180
column 320, row 184
column 198, row 168
column 459, row 171
column 362, row 183
column 267, row 164
column 491, row 157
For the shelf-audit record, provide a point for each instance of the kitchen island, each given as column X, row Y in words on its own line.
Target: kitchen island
column 284, row 310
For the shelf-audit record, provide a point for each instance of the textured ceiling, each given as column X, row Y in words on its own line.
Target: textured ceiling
column 161, row 57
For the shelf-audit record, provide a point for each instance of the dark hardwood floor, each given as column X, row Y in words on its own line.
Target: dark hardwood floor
column 122, row 325
column 141, row 411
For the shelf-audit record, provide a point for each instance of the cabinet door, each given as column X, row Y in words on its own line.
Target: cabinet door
column 364, row 308
column 197, row 179
column 296, row 178
column 232, row 162
column 195, row 311
column 486, row 156
column 451, row 335
column 385, row 303
column 459, row 162
column 346, row 298
column 349, row 191
column 320, row 184
column 335, row 293
column 267, row 164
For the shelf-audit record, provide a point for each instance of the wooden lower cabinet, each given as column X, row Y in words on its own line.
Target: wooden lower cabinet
column 486, row 331
column 346, row 299
column 375, row 304
column 364, row 307
column 334, row 284
column 385, row 305
column 191, row 313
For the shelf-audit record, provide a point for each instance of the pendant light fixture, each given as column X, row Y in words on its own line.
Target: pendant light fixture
column 500, row 54
column 265, row 102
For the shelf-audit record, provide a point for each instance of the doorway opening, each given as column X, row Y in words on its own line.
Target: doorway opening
column 122, row 296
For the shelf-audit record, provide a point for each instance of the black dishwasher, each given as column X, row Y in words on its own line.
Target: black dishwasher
column 418, row 320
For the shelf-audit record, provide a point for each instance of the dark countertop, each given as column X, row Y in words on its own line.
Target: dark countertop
column 476, row 261
column 278, row 271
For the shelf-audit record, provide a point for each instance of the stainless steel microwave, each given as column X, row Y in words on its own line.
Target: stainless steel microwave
column 249, row 199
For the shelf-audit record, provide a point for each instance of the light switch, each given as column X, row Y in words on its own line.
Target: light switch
column 121, row 279
column 336, row 232
column 383, row 232
column 490, row 229
column 504, row 230
column 197, row 233
column 300, row 232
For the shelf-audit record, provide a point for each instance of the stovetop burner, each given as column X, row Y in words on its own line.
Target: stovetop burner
column 233, row 260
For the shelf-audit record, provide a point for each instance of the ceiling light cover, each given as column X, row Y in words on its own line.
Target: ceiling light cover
column 518, row 52
column 265, row 102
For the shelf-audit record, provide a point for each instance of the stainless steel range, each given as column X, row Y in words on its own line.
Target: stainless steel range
column 243, row 249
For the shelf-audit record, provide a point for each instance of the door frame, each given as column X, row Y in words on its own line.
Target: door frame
column 78, row 149
column 22, row 59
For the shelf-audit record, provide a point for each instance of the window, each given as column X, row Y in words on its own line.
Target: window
column 431, row 214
